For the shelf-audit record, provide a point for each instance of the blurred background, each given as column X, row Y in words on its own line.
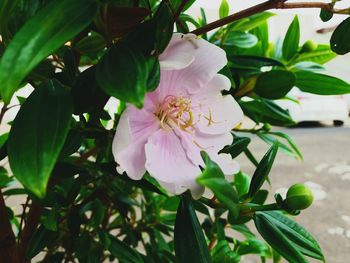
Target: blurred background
column 324, row 140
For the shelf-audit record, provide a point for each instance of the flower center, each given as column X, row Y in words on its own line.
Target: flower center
column 175, row 111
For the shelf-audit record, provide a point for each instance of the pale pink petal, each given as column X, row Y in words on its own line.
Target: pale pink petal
column 208, row 60
column 175, row 61
column 167, row 162
column 134, row 128
column 220, row 115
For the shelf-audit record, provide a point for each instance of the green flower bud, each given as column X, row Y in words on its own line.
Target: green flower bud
column 299, row 197
column 308, row 46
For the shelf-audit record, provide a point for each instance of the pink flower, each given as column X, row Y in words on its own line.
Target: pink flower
column 186, row 114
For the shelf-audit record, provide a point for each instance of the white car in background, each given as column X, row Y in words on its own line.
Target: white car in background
column 313, row 107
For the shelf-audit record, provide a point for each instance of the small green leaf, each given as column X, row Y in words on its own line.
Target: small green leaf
column 291, row 40
column 274, row 84
column 240, row 39
column 224, row 9
column 213, row 178
column 262, row 111
column 189, row 240
column 325, row 15
column 34, row 42
column 123, row 252
column 340, row 40
column 263, row 170
column 238, row 146
column 321, row 84
column 242, row 182
column 38, row 135
column 321, row 55
column 249, row 23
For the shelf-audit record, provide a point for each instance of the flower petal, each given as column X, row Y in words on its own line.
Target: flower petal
column 175, row 61
column 167, row 162
column 220, row 115
column 134, row 128
column 208, row 60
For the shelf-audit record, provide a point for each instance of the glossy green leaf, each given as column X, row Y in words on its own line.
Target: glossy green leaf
column 222, row 253
column 40, row 127
column 213, row 178
column 309, row 66
column 240, row 39
column 241, row 182
column 224, row 9
column 238, row 145
column 340, row 40
column 123, row 252
column 297, row 236
column 263, row 170
column 189, row 240
column 266, row 111
column 325, row 15
column 248, row 23
column 253, row 61
column 123, row 73
column 290, row 141
column 291, row 40
column 34, row 42
column 321, row 84
column 274, row 84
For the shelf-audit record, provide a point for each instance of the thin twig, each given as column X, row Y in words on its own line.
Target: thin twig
column 23, row 217
column 271, row 4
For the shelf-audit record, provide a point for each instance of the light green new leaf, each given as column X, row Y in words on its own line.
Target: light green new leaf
column 321, row 84
column 45, row 32
column 38, row 135
column 224, row 9
column 189, row 240
column 248, row 23
column 291, row 40
column 213, row 178
column 240, row 39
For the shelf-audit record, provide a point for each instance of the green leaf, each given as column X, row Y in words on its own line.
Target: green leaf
column 254, row 62
column 287, row 229
column 321, row 55
column 263, row 170
column 241, row 182
column 248, row 23
column 274, row 84
column 213, row 178
column 309, row 66
column 5, row 180
column 87, row 94
column 340, row 40
column 238, row 146
column 325, row 15
column 240, row 39
column 321, row 84
column 123, row 73
column 291, row 40
column 224, row 9
column 34, row 42
column 290, row 142
column 262, row 111
column 123, row 252
column 38, row 135
column 189, row 240
column 40, row 239
column 222, row 253
column 164, row 28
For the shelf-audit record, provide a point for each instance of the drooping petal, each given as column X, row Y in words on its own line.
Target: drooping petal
column 208, row 60
column 167, row 162
column 134, row 128
column 175, row 61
